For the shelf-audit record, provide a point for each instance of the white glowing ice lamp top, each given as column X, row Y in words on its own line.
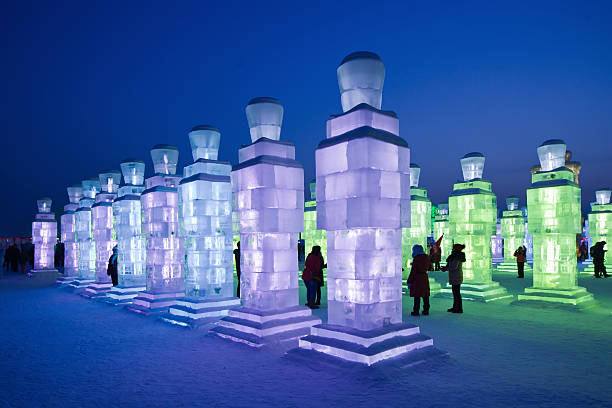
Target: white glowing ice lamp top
column 44, row 205
column 91, row 187
column 165, row 159
column 472, row 166
column 313, row 190
column 443, row 208
column 204, row 142
column 512, row 203
column 75, row 193
column 133, row 171
column 265, row 117
column 361, row 76
column 110, row 180
column 415, row 174
column 552, row 154
column 603, row 196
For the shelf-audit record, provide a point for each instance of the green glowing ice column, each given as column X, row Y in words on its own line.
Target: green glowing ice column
column 311, row 235
column 473, row 220
column 600, row 225
column 442, row 228
column 553, row 203
column 513, row 232
column 420, row 226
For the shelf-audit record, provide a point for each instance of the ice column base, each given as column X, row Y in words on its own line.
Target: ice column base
column 65, row 280
column 196, row 312
column 119, row 295
column 96, row 290
column 577, row 298
column 510, row 267
column 80, row 283
column 147, row 303
column 434, row 287
column 258, row 328
column 483, row 292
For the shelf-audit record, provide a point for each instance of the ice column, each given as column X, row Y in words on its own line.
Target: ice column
column 269, row 188
column 363, row 201
column 513, row 233
column 554, row 215
column 44, row 237
column 165, row 248
column 127, row 213
column 84, row 234
column 473, row 220
column 311, row 235
column 68, row 234
column 600, row 225
column 206, row 219
column 441, row 227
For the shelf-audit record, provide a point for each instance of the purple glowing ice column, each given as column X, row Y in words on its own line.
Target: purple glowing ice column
column 84, row 234
column 44, row 237
column 68, row 235
column 363, row 201
column 206, row 218
column 165, row 249
column 269, row 187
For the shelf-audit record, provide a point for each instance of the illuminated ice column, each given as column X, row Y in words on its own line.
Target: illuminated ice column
column 44, row 237
column 600, row 226
column 473, row 220
column 165, row 248
column 363, row 201
column 269, row 187
column 553, row 201
column 528, row 236
column 497, row 244
column 68, row 235
column 311, row 235
column 84, row 235
column 513, row 233
column 206, row 218
column 441, row 227
column 103, row 232
column 131, row 251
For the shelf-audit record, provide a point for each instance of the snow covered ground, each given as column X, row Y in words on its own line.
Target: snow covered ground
column 58, row 349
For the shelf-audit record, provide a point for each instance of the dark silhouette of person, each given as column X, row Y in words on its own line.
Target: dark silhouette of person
column 12, row 257
column 111, row 270
column 313, row 273
column 521, row 258
column 454, row 266
column 599, row 253
column 320, row 279
column 418, row 281
column 237, row 260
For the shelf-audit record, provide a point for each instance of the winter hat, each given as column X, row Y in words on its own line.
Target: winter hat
column 458, row 247
column 417, row 250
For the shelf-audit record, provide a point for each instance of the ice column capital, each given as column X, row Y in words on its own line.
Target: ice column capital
column 204, row 141
column 265, row 117
column 512, row 203
column 603, row 196
column 44, row 205
column 443, row 209
column 415, row 174
column 110, row 180
column 165, row 159
column 472, row 166
column 133, row 171
column 552, row 154
column 361, row 77
column 75, row 193
column 91, row 187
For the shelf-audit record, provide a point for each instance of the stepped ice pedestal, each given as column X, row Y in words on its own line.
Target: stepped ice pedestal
column 71, row 248
column 44, row 237
column 269, row 187
column 513, row 232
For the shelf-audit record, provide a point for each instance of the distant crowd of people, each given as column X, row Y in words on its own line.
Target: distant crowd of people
column 15, row 258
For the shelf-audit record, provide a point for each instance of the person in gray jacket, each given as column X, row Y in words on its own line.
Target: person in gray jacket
column 454, row 266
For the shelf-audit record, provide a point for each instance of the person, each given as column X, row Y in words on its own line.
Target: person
column 418, row 281
column 237, row 260
column 454, row 266
column 521, row 256
column 598, row 254
column 583, row 251
column 313, row 275
column 112, row 266
column 320, row 279
column 437, row 253
column 11, row 257
column 24, row 257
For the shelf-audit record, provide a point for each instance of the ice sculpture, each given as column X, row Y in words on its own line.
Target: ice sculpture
column 131, row 251
column 68, row 236
column 84, row 235
column 473, row 220
column 497, row 245
column 363, row 201
column 165, row 249
column 420, row 227
column 103, row 232
column 600, row 226
column 513, row 232
column 554, row 215
column 269, row 188
column 44, row 238
column 311, row 235
column 441, row 228
column 206, row 218
column 528, row 236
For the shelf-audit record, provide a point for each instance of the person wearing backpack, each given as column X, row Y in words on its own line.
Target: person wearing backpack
column 521, row 257
column 111, row 270
column 454, row 266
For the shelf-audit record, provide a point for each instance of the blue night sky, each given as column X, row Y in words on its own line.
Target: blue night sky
column 87, row 84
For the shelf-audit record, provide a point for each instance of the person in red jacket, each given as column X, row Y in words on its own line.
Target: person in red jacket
column 418, row 280
column 313, row 275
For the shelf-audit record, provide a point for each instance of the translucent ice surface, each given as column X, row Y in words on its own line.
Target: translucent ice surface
column 552, row 154
column 603, row 196
column 361, row 77
column 133, row 171
column 472, row 166
column 265, row 118
column 204, row 141
column 165, row 158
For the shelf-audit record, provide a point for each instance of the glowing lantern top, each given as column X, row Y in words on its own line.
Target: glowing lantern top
column 415, row 174
column 472, row 165
column 313, row 190
column 110, row 180
column 165, row 158
column 91, row 187
column 204, row 142
column 512, row 203
column 265, row 117
column 443, row 208
column 361, row 77
column 552, row 154
column 44, row 205
column 75, row 193
column 133, row 171
column 603, row 196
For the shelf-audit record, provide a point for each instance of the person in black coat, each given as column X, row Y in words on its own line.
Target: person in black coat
column 599, row 253
column 454, row 266
column 111, row 270
column 237, row 260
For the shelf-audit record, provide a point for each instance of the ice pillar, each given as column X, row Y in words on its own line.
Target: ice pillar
column 68, row 235
column 269, row 187
column 600, row 225
column 513, row 232
column 311, row 235
column 44, row 237
column 84, row 234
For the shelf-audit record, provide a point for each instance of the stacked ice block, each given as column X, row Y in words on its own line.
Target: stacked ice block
column 441, row 227
column 84, row 235
column 528, row 236
column 269, row 188
column 206, row 218
column 363, row 201
column 473, row 220
column 68, row 235
column 131, row 252
column 497, row 244
column 600, row 225
column 164, row 247
column 513, row 233
column 553, row 201
column 103, row 232
column 44, row 237
column 311, row 235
